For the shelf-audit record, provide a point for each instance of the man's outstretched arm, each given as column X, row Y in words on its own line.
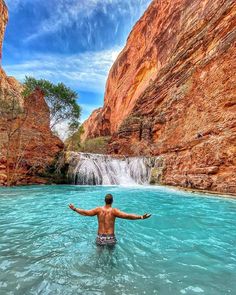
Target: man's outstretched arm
column 124, row 215
column 92, row 212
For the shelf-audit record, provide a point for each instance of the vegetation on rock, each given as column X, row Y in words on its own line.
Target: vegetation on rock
column 73, row 142
column 96, row 145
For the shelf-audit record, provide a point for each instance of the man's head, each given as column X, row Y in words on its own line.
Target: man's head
column 108, row 199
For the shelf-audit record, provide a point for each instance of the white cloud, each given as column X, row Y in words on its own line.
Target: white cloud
column 86, row 71
column 63, row 13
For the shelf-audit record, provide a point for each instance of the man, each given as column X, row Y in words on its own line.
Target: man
column 106, row 220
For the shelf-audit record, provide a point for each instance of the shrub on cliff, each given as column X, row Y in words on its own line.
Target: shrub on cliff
column 60, row 99
column 96, row 145
column 73, row 142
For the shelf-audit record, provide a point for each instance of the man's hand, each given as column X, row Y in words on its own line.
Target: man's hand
column 146, row 215
column 72, row 207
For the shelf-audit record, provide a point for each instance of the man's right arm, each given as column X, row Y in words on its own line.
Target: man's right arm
column 124, row 215
column 83, row 212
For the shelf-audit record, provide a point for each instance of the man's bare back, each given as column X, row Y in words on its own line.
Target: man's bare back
column 107, row 215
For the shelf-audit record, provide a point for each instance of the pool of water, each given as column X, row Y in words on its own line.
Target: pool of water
column 187, row 247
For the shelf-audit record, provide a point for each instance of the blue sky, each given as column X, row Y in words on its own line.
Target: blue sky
column 70, row 41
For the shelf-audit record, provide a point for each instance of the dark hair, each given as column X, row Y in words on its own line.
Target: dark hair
column 108, row 199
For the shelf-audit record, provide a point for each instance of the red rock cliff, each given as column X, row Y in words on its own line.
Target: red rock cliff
column 171, row 93
column 34, row 147
column 3, row 22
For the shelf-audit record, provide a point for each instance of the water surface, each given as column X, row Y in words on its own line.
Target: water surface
column 187, row 247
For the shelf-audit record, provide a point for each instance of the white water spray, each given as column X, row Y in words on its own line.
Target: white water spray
column 94, row 169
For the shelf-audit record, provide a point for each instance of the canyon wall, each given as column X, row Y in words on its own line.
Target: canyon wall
column 3, row 22
column 32, row 147
column 171, row 94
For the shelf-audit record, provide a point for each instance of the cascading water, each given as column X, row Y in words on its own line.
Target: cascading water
column 94, row 169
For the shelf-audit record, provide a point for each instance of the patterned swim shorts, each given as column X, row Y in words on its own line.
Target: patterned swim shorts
column 105, row 239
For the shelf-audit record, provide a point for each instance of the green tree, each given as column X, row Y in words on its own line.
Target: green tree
column 60, row 99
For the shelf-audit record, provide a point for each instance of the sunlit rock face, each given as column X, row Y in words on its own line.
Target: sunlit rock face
column 36, row 144
column 5, row 82
column 171, row 93
column 3, row 22
column 97, row 125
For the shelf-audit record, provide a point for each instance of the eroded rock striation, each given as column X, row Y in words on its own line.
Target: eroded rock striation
column 3, row 22
column 171, row 94
column 33, row 147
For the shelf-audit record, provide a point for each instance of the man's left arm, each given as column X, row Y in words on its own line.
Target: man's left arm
column 83, row 212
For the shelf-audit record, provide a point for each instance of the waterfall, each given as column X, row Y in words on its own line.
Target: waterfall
column 94, row 169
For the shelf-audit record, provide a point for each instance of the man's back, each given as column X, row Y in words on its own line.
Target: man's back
column 106, row 220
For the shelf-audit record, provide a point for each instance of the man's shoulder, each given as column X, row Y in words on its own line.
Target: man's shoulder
column 114, row 210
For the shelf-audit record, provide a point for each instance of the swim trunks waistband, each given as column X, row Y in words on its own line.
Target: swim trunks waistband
column 105, row 239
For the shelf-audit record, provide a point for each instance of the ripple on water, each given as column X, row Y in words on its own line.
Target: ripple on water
column 187, row 247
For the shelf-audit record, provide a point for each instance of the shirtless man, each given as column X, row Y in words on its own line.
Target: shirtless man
column 106, row 220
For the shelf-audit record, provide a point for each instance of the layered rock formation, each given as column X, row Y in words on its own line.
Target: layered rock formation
column 3, row 22
column 171, row 93
column 32, row 147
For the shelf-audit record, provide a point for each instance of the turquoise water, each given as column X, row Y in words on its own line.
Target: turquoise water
column 187, row 247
